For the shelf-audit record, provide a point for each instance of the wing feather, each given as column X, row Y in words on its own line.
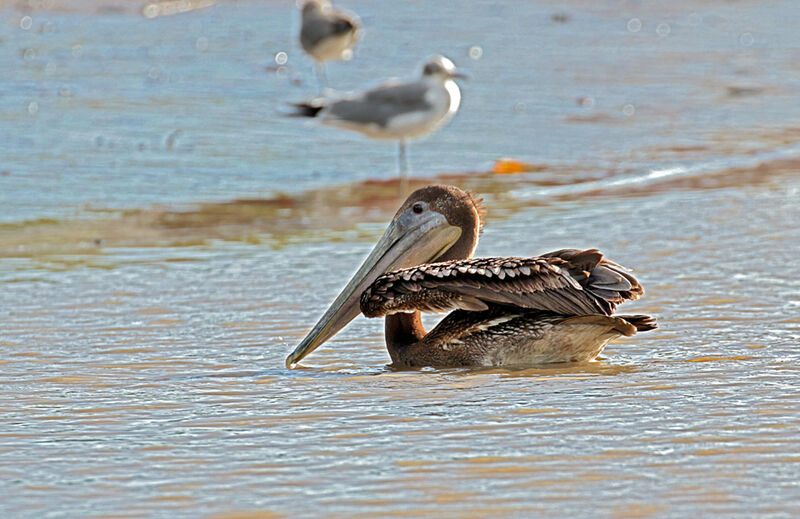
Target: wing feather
column 567, row 282
column 377, row 106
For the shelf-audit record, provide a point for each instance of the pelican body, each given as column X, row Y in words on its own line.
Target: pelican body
column 512, row 312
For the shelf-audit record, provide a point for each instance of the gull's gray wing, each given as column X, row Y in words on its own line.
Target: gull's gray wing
column 380, row 104
column 316, row 28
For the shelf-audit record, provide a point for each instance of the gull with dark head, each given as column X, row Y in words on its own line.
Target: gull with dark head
column 508, row 312
column 327, row 34
column 395, row 110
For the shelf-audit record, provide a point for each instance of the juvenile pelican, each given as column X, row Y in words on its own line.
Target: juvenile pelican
column 504, row 311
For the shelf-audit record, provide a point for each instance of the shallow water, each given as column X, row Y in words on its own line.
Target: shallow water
column 167, row 239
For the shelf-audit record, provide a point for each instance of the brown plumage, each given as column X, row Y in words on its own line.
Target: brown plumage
column 556, row 307
column 504, row 336
column 568, row 281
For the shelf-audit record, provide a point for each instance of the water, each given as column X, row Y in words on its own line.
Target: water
column 166, row 239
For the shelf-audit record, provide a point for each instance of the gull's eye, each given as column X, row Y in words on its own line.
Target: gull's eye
column 418, row 208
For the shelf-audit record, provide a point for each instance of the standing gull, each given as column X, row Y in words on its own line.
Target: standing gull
column 327, row 34
column 395, row 110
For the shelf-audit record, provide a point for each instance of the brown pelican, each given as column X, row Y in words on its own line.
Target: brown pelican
column 505, row 311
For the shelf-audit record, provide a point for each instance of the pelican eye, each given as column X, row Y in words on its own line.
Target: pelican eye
column 418, row 208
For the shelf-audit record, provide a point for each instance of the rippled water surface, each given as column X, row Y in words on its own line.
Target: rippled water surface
column 167, row 238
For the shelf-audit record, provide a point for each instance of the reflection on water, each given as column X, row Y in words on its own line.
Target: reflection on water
column 165, row 242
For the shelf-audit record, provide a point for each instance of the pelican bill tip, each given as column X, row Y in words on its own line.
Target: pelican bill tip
column 292, row 361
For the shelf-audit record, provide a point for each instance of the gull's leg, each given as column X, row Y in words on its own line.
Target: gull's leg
column 402, row 164
column 322, row 78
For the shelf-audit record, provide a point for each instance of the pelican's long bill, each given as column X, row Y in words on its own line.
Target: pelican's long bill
column 411, row 240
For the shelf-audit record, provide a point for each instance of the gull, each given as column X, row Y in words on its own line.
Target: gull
column 327, row 34
column 395, row 110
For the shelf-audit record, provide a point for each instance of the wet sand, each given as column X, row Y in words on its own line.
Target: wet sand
column 341, row 209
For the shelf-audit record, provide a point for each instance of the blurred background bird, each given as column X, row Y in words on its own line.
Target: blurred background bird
column 395, row 110
column 326, row 34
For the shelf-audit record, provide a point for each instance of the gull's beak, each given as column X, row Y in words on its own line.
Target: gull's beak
column 459, row 75
column 409, row 241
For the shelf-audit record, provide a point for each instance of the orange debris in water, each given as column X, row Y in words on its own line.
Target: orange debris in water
column 511, row 166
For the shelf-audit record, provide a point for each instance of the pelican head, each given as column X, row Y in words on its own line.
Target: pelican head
column 434, row 223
